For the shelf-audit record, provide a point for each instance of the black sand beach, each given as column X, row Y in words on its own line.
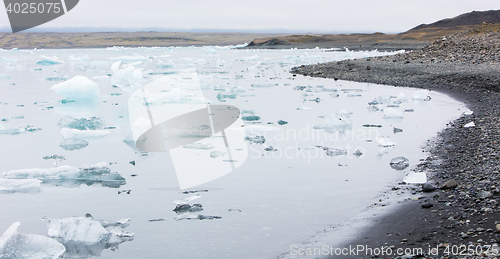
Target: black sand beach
column 467, row 67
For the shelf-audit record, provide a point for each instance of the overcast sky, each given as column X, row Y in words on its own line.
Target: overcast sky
column 263, row 15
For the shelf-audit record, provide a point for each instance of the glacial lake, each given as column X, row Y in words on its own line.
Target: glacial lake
column 317, row 151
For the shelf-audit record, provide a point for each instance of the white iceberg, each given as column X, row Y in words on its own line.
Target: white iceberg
column 21, row 246
column 84, row 236
column 71, row 176
column 77, row 88
column 421, row 95
column 392, row 113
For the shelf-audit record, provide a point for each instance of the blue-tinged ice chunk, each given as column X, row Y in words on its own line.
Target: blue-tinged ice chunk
column 78, row 88
column 71, row 176
column 68, row 133
column 14, row 245
column 73, row 144
column 92, row 123
column 47, row 61
column 5, row 76
column 19, row 185
column 84, row 236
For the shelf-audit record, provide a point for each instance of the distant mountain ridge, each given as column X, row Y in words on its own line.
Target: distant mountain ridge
column 472, row 18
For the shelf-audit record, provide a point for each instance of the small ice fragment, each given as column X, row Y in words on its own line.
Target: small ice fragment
column 21, row 246
column 55, row 78
column 215, row 154
column 421, row 95
column 409, row 110
column 250, row 118
column 187, row 200
column 470, row 124
column 392, row 113
column 396, row 130
column 183, row 208
column 317, row 100
column 357, row 153
column 270, row 149
column 304, row 108
column 336, row 152
column 399, row 163
column 194, row 217
column 259, row 140
column 372, row 125
column 385, row 141
column 77, row 88
column 198, row 146
column 73, row 144
column 47, row 61
column 282, row 122
column 413, row 177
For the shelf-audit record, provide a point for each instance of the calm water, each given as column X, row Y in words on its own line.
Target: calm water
column 274, row 199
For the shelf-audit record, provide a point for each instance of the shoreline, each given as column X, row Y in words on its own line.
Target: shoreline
column 463, row 215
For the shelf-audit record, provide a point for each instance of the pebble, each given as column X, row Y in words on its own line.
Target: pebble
column 449, row 185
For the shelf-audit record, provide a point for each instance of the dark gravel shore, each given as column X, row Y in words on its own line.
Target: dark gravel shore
column 467, row 67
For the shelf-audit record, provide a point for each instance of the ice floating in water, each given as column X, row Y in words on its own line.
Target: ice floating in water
column 14, row 245
column 47, row 61
column 78, row 88
column 385, row 141
column 340, row 122
column 470, row 124
column 84, row 58
column 56, row 78
column 71, row 176
column 168, row 64
column 421, row 95
column 198, row 146
column 392, row 113
column 335, row 152
column 402, row 97
column 195, row 217
column 413, row 177
column 84, row 236
column 73, row 144
column 250, row 118
column 126, row 78
column 183, row 208
column 263, row 85
column 187, row 200
column 68, row 133
column 19, row 185
column 256, row 139
column 92, row 123
column 399, row 163
column 5, row 76
column 215, row 154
